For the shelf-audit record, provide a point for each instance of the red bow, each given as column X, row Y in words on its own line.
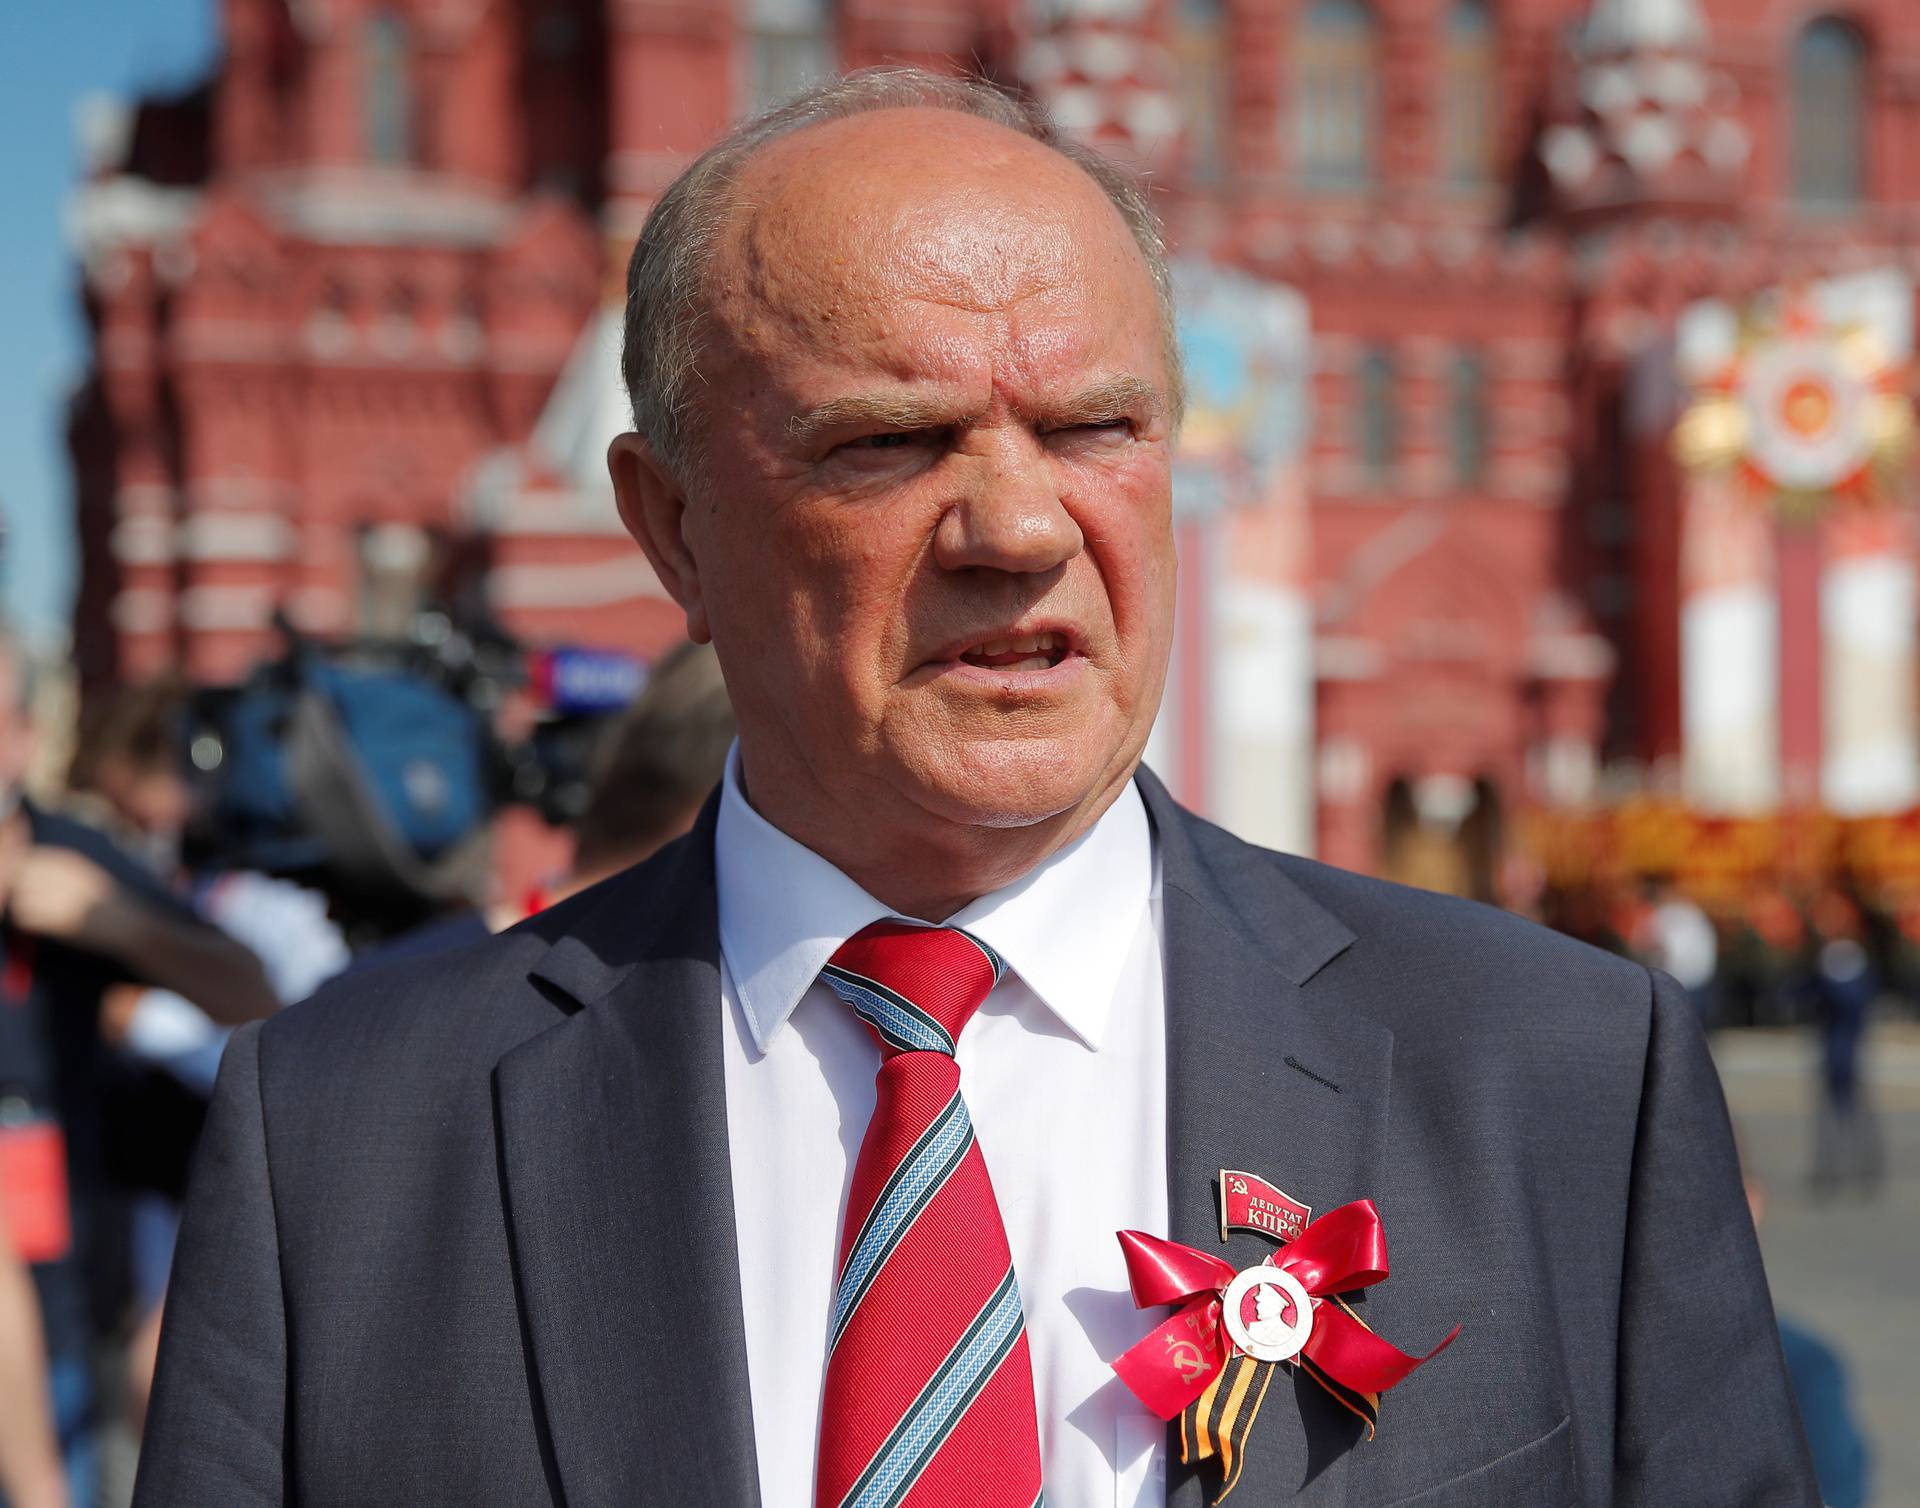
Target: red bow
column 1343, row 1250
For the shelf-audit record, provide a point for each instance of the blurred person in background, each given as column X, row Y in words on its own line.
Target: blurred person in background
column 1843, row 983
column 660, row 761
column 128, row 778
column 1676, row 936
column 1903, row 945
column 655, row 765
column 1821, row 1388
column 79, row 1122
column 1765, row 960
column 30, row 1471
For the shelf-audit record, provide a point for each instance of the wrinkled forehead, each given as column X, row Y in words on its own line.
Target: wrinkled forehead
column 843, row 233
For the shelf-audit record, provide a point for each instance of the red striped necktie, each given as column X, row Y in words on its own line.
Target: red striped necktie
column 929, row 1388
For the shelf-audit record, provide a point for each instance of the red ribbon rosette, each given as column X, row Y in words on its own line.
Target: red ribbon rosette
column 1344, row 1250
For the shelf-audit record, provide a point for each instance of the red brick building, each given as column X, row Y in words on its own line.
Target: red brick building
column 352, row 339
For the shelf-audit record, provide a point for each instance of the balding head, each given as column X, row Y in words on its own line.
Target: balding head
column 669, row 287
column 922, row 504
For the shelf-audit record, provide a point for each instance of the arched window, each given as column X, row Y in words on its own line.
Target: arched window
column 1467, row 418
column 387, row 100
column 790, row 44
column 1379, row 416
column 1829, row 114
column 1336, row 71
column 1468, row 79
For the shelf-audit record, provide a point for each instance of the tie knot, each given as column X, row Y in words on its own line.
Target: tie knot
column 915, row 987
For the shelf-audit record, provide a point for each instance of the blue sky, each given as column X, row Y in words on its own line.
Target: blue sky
column 58, row 52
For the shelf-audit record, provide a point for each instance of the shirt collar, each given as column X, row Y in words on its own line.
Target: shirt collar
column 1066, row 926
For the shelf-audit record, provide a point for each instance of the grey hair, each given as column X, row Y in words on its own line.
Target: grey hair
column 666, row 276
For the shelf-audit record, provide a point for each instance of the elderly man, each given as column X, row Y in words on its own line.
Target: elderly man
column 736, row 1180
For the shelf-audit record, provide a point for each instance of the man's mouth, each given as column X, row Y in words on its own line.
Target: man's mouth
column 1022, row 652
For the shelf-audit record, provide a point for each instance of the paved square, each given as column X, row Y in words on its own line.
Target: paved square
column 1846, row 1268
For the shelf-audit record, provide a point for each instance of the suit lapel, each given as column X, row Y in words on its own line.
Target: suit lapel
column 1258, row 1038
column 617, row 1184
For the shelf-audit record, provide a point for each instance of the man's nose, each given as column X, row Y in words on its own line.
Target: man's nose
column 1011, row 517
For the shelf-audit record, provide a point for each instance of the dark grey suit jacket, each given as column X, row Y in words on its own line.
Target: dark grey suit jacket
column 462, row 1231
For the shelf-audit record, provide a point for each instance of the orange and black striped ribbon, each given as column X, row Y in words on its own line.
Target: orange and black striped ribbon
column 1216, row 1425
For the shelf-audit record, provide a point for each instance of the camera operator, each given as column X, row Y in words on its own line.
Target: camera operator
column 77, row 915
column 652, row 767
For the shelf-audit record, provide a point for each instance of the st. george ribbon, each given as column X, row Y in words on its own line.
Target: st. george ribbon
column 1344, row 1250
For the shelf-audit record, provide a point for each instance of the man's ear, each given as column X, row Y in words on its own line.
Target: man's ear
column 654, row 507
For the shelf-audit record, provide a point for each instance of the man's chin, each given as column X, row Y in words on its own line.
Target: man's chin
column 1014, row 783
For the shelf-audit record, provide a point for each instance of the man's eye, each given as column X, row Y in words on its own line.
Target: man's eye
column 891, row 440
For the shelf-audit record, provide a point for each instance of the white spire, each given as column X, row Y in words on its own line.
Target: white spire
column 1615, row 26
column 587, row 409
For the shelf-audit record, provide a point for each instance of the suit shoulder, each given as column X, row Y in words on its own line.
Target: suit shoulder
column 453, row 1005
column 437, row 1007
column 1425, row 924
column 1446, row 972
column 1398, row 926
column 1430, row 920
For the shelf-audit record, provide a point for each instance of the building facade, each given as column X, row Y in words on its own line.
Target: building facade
column 355, row 309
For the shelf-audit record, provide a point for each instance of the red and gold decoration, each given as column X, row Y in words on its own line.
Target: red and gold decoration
column 1719, row 861
column 1714, row 859
column 1806, row 411
column 1210, row 1365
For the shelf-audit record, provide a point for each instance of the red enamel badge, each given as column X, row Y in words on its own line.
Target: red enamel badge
column 1248, row 1202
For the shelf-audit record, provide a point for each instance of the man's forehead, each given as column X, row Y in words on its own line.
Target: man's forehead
column 855, row 217
column 915, row 146
column 1033, row 353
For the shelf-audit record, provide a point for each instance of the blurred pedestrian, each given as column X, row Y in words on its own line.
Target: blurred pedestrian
column 1822, row 1390
column 30, row 1471
column 1764, row 965
column 660, row 761
column 128, row 773
column 1903, row 915
column 1847, row 1148
column 1677, row 936
column 129, row 779
column 81, row 1123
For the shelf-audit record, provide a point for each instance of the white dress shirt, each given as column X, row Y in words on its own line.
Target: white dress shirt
column 1064, row 1073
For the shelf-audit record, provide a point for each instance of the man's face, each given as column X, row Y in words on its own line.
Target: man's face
column 931, row 532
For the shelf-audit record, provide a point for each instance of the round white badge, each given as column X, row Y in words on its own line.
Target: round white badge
column 1268, row 1312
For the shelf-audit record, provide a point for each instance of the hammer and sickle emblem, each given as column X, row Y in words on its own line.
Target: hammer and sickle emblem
column 1187, row 1360
column 1238, row 1185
